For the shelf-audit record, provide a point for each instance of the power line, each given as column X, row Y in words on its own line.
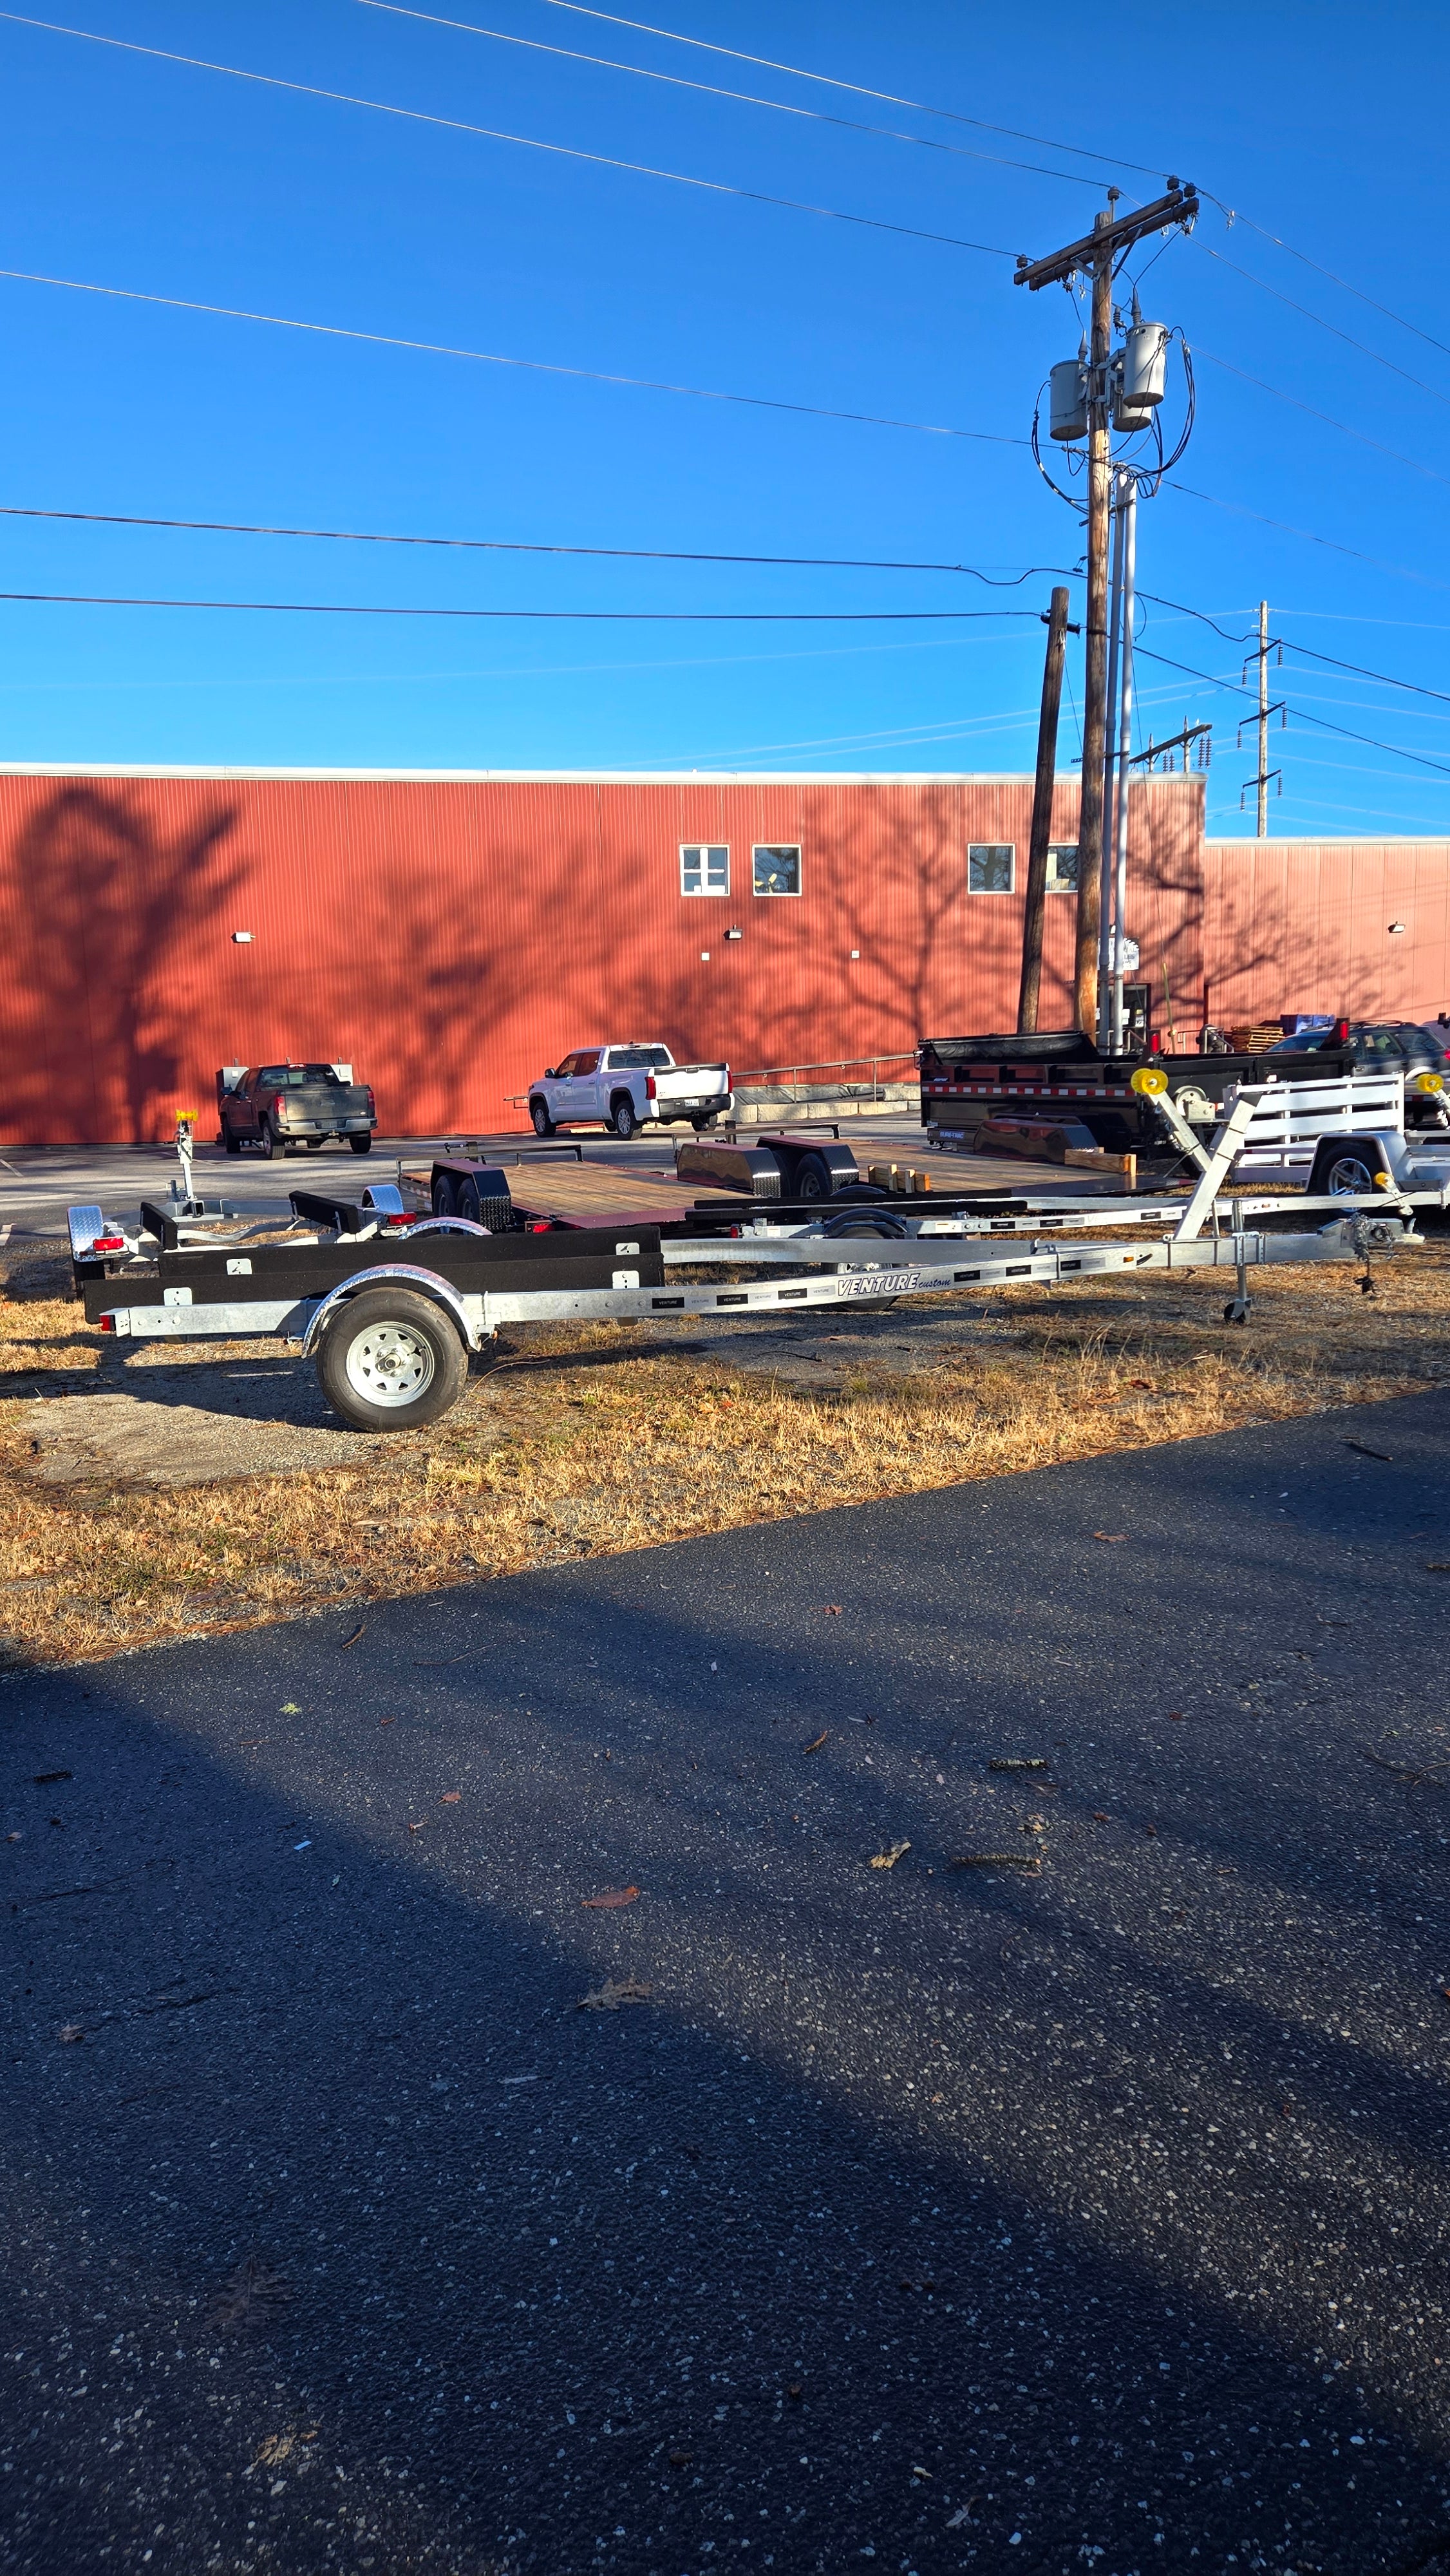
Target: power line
column 660, row 554
column 709, row 89
column 1331, row 327
column 1233, row 216
column 589, row 616
column 1327, row 417
column 1240, row 510
column 857, row 89
column 1358, row 668
column 518, row 546
column 1237, row 689
column 492, row 134
column 491, row 358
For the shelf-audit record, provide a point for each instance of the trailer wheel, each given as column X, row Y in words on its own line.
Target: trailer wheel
column 390, row 1361
column 539, row 1112
column 1348, row 1177
column 445, row 1196
column 812, row 1178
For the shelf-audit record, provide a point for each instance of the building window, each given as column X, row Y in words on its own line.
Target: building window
column 1062, row 867
column 704, row 867
column 989, row 867
column 776, row 869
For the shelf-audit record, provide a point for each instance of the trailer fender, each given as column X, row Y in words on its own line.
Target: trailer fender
column 426, row 1282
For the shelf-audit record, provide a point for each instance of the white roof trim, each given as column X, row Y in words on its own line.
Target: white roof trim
column 1340, row 841
column 546, row 777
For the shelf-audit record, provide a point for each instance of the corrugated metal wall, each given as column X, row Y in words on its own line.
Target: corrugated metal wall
column 1305, row 926
column 451, row 937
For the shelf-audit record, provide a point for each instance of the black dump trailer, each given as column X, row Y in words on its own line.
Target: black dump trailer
column 1059, row 1075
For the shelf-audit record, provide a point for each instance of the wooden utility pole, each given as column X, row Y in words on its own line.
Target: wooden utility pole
column 1095, row 682
column 1095, row 257
column 1032, row 921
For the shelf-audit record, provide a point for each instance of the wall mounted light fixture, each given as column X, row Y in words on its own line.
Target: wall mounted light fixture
column 1396, row 929
column 242, row 938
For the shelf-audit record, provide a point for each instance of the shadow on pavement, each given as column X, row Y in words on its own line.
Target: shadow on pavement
column 1094, row 2213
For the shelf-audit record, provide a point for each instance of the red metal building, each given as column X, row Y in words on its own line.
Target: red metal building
column 451, row 933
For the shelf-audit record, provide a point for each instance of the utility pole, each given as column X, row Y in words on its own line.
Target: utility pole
column 1263, row 778
column 1266, row 775
column 1032, row 922
column 1095, row 257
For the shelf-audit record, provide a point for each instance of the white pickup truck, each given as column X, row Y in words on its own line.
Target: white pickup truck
column 626, row 1087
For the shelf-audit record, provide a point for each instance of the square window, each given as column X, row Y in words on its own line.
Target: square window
column 704, row 867
column 989, row 867
column 1062, row 867
column 776, row 868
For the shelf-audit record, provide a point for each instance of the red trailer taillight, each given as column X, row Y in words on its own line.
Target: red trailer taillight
column 108, row 1243
column 107, row 1324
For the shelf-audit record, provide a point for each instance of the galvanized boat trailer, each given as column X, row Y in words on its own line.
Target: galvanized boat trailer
column 391, row 1302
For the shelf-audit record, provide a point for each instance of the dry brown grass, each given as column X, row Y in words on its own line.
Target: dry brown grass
column 583, row 1439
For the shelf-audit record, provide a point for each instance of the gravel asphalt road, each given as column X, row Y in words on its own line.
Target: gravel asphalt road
column 1083, row 2213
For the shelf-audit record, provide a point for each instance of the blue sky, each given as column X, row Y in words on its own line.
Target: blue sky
column 1320, row 123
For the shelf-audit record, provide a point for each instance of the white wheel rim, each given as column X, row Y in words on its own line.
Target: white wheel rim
column 390, row 1364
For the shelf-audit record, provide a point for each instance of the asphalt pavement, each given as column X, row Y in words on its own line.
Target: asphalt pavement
column 1087, row 2214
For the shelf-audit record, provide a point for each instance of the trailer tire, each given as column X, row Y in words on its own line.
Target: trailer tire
column 812, row 1178
column 621, row 1116
column 391, row 1360
column 445, row 1195
column 539, row 1113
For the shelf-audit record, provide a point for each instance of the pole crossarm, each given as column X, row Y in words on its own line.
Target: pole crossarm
column 1175, row 741
column 1179, row 206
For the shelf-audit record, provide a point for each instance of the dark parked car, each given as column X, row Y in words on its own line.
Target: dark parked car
column 1387, row 1046
column 288, row 1105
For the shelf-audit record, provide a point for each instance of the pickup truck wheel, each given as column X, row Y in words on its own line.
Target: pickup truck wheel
column 543, row 1123
column 391, row 1360
column 361, row 1144
column 701, row 1124
column 267, row 1139
column 231, row 1140
column 621, row 1116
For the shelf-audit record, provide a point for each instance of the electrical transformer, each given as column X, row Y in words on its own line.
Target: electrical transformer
column 1068, row 383
column 1141, row 373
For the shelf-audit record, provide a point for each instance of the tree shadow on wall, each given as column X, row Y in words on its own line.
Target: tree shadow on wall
column 105, row 910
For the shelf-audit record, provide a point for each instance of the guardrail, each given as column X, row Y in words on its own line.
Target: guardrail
column 837, row 1064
